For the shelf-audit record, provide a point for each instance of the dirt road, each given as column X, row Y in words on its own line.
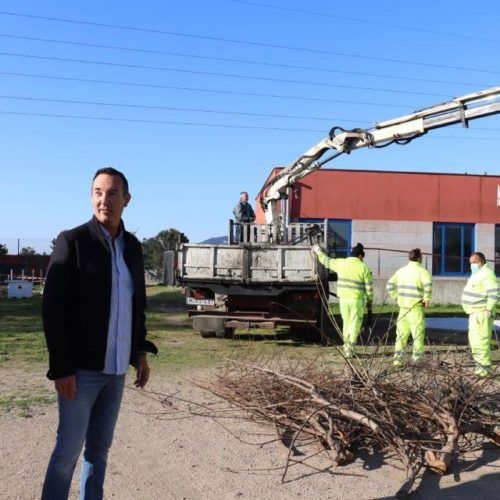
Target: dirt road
column 157, row 456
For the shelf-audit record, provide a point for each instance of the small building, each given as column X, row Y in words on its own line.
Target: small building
column 447, row 216
column 20, row 266
column 19, row 289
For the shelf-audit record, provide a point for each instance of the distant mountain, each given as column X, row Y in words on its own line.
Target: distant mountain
column 216, row 240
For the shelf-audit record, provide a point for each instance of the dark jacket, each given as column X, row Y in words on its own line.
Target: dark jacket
column 243, row 212
column 76, row 300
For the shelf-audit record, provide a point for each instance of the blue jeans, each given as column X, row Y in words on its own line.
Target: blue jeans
column 89, row 418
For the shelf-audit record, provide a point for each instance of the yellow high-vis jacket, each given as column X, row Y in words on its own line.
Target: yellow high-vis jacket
column 410, row 285
column 355, row 279
column 481, row 291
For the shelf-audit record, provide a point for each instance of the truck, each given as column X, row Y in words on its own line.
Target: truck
column 268, row 276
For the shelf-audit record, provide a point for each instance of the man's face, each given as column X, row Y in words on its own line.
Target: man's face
column 474, row 259
column 108, row 200
column 244, row 197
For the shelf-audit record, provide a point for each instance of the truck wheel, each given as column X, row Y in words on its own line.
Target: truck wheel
column 207, row 334
column 227, row 333
column 304, row 334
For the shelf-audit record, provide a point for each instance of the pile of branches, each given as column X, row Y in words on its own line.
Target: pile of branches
column 425, row 415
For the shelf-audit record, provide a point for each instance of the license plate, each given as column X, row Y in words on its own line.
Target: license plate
column 199, row 302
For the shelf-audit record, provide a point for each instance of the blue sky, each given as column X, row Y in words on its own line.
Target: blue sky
column 186, row 166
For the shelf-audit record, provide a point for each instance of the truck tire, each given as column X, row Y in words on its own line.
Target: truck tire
column 227, row 333
column 305, row 334
column 329, row 333
column 206, row 334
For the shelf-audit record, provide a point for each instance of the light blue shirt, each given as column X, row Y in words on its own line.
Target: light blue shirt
column 120, row 312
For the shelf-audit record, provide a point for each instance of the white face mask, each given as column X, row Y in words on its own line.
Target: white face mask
column 474, row 267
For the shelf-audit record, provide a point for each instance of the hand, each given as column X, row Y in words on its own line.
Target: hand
column 425, row 303
column 142, row 371
column 488, row 314
column 66, row 387
column 316, row 249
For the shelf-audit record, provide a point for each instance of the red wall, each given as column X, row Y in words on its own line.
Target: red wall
column 375, row 195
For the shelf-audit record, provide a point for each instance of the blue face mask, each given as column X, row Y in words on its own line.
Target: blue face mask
column 474, row 268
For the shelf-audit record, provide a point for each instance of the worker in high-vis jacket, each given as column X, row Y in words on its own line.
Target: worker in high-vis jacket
column 479, row 298
column 354, row 289
column 411, row 286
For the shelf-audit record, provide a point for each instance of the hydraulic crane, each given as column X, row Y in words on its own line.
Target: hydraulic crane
column 400, row 130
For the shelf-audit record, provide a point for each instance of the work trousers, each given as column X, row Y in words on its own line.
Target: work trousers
column 90, row 417
column 352, row 311
column 480, row 330
column 410, row 321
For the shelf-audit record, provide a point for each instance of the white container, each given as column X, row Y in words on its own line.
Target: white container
column 19, row 289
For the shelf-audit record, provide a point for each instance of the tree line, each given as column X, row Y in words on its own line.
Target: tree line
column 152, row 248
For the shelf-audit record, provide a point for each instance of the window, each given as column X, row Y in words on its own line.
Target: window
column 497, row 250
column 452, row 245
column 339, row 236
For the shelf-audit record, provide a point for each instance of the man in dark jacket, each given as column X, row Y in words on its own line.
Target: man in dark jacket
column 243, row 211
column 94, row 323
column 243, row 214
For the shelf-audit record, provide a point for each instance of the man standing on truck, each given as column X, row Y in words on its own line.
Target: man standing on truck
column 411, row 285
column 243, row 214
column 354, row 289
column 479, row 298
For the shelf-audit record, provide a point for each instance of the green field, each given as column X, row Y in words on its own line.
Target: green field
column 22, row 344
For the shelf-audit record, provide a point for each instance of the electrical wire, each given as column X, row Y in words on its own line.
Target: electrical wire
column 224, row 75
column 159, row 122
column 242, row 61
column 242, row 42
column 365, row 21
column 198, row 89
column 170, row 108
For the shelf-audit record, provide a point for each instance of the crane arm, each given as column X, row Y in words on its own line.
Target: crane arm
column 398, row 130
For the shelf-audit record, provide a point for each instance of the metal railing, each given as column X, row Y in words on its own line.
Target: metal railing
column 294, row 233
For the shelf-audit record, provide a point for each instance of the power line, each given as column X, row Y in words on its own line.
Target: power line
column 198, row 89
column 160, row 122
column 245, row 42
column 197, row 110
column 240, row 61
column 200, row 124
column 365, row 21
column 173, row 108
column 224, row 75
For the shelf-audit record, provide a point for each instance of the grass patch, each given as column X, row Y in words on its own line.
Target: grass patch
column 21, row 333
column 23, row 402
column 22, row 343
column 433, row 310
column 183, row 349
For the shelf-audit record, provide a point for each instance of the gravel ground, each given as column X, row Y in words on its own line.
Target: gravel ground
column 157, row 456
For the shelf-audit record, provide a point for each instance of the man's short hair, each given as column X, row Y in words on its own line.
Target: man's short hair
column 116, row 173
column 481, row 256
column 358, row 250
column 415, row 255
column 243, row 192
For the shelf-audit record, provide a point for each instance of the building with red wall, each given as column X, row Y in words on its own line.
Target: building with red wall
column 447, row 216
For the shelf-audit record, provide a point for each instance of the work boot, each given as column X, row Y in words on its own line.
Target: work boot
column 398, row 358
column 348, row 350
column 481, row 372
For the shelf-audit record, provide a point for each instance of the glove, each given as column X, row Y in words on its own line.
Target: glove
column 316, row 249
